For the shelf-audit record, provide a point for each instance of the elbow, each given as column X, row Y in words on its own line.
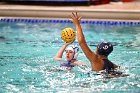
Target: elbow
column 57, row 58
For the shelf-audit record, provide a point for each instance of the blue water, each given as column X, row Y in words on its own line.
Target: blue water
column 27, row 51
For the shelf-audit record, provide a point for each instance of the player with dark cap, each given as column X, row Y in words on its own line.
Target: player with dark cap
column 99, row 59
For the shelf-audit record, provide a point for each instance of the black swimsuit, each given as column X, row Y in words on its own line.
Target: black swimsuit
column 109, row 68
column 108, row 65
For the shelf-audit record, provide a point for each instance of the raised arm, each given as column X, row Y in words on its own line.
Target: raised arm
column 81, row 39
column 59, row 54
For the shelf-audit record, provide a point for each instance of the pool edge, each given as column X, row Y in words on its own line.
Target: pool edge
column 95, row 14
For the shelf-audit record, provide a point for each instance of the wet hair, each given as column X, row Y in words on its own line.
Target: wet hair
column 104, row 48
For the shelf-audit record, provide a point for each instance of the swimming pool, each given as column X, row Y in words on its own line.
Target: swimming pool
column 27, row 48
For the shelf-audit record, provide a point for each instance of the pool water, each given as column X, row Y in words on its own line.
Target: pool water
column 27, row 51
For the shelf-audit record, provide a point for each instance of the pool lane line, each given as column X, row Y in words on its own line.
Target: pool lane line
column 97, row 22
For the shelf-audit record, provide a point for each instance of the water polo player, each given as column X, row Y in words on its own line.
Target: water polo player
column 71, row 51
column 99, row 60
column 71, row 56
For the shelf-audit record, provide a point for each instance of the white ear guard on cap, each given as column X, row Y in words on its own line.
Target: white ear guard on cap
column 76, row 49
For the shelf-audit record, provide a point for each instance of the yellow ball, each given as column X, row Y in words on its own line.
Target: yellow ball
column 68, row 35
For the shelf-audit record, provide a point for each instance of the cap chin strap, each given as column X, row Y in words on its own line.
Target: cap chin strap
column 69, row 62
column 73, row 58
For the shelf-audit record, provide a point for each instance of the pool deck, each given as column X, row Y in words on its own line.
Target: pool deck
column 112, row 11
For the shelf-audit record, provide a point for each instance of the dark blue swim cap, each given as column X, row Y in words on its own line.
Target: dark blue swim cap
column 104, row 48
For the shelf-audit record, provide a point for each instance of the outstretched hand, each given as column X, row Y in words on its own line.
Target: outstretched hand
column 75, row 18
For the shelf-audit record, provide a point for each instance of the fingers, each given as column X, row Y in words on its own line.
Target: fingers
column 73, row 13
column 76, row 13
column 68, row 43
column 71, row 41
column 71, row 16
column 75, row 16
column 80, row 18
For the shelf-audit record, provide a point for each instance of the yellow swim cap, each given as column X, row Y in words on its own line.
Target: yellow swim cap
column 68, row 35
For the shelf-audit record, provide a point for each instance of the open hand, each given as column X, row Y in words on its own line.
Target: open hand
column 75, row 18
